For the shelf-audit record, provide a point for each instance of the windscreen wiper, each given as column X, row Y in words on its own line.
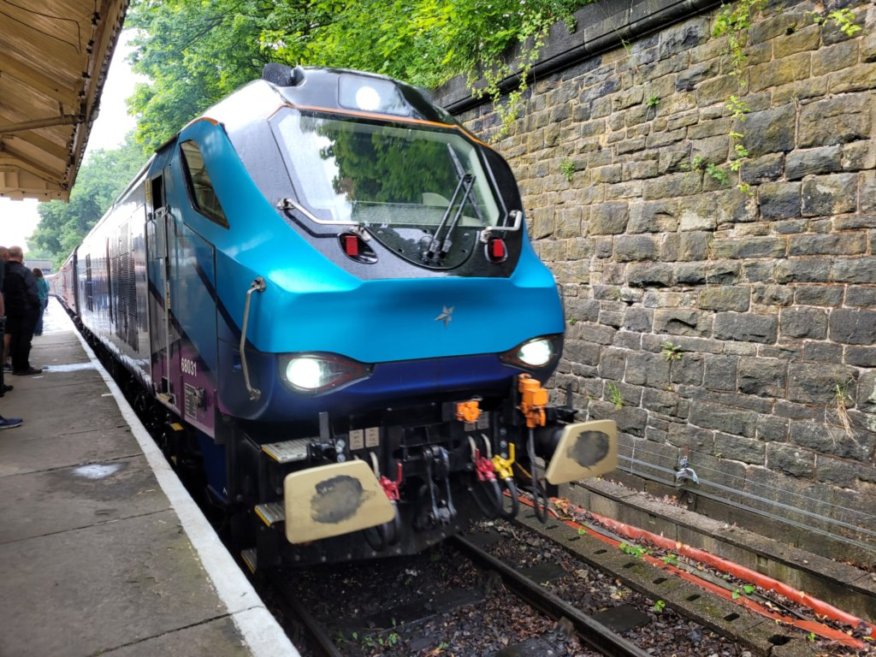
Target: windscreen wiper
column 437, row 247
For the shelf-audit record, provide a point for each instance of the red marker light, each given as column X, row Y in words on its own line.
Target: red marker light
column 497, row 250
column 351, row 245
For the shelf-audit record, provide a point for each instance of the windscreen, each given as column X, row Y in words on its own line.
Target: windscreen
column 377, row 174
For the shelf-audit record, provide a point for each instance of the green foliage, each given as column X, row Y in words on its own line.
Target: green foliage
column 670, row 351
column 567, row 168
column 717, row 173
column 733, row 21
column 197, row 52
column 659, row 606
column 633, row 550
column 102, row 177
column 615, row 396
column 194, row 54
column 845, row 21
column 652, row 101
column 670, row 559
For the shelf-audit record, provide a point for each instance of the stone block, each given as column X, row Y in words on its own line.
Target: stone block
column 833, row 58
column 771, row 428
column 579, row 351
column 720, row 372
column 612, row 363
column 834, row 121
column 803, row 323
column 770, row 131
column 746, row 327
column 779, row 71
column 644, row 275
column 828, row 439
column 693, row 245
column 749, row 247
column 829, row 195
column 630, row 421
column 825, row 352
column 860, row 270
column 738, row 448
column 846, row 243
column 595, row 333
column 779, row 200
column 851, row 326
column 647, row 369
column 860, row 78
column 653, row 217
column 866, row 392
column 818, row 295
column 765, row 377
column 801, row 40
column 608, row 218
column 816, row 383
column 807, row 270
column 790, row 460
column 660, row 401
column 724, row 418
column 772, row 295
column 723, row 273
column 690, row 274
column 836, row 472
column 861, row 356
column 813, row 161
column 638, row 319
column 673, row 186
column 682, row 321
column 687, row 370
column 629, row 248
column 725, row 298
column 763, row 169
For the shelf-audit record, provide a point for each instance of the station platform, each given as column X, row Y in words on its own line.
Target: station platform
column 102, row 551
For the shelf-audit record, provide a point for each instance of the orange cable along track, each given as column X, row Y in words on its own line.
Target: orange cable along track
column 819, row 607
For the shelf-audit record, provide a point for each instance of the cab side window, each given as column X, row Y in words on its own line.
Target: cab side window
column 200, row 186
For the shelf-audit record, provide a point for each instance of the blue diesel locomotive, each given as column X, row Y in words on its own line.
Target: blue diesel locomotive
column 325, row 286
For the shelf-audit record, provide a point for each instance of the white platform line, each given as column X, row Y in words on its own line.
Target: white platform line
column 260, row 630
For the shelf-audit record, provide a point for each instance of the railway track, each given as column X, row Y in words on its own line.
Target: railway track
column 461, row 600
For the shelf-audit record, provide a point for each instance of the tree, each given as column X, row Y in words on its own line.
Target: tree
column 194, row 53
column 197, row 51
column 101, row 179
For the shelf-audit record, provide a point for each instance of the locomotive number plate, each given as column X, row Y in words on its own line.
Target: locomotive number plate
column 372, row 436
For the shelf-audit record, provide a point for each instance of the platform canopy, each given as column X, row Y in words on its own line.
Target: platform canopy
column 54, row 57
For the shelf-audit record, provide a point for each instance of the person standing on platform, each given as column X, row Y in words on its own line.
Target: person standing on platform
column 7, row 364
column 43, row 292
column 5, row 422
column 22, row 308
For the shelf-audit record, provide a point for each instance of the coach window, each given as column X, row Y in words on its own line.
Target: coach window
column 200, row 186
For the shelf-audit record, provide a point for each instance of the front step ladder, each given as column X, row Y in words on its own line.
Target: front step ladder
column 288, row 451
column 250, row 558
column 272, row 513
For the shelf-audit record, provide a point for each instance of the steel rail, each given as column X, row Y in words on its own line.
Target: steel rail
column 592, row 632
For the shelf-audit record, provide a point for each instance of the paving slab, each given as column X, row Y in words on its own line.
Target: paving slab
column 62, row 499
column 101, row 549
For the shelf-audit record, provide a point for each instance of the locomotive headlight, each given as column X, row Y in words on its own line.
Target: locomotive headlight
column 536, row 353
column 316, row 373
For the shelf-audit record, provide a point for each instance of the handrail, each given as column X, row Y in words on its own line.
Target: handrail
column 258, row 285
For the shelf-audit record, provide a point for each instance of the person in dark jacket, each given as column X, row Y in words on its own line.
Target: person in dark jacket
column 22, row 309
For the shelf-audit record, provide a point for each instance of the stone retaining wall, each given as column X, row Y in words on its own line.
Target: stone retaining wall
column 734, row 327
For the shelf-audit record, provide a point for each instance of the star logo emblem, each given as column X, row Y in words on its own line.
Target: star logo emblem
column 446, row 315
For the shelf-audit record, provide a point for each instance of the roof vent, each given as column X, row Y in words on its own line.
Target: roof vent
column 283, row 75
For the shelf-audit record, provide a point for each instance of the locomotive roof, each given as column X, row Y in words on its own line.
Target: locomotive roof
column 322, row 89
